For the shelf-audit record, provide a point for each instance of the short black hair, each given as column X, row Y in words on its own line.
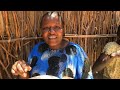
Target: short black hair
column 118, row 31
column 49, row 14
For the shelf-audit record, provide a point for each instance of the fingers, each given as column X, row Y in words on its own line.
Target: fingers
column 20, row 68
column 23, row 74
column 114, row 54
column 117, row 53
column 13, row 72
column 26, row 67
column 14, row 69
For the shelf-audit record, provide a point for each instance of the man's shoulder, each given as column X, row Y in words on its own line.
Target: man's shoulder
column 38, row 44
column 79, row 49
column 75, row 44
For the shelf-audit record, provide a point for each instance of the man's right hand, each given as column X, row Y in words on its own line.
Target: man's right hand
column 21, row 68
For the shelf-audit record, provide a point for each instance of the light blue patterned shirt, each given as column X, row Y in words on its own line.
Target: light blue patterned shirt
column 70, row 61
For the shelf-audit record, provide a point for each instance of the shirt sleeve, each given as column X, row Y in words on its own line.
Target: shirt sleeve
column 83, row 68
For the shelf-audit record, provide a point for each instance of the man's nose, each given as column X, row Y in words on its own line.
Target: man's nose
column 51, row 30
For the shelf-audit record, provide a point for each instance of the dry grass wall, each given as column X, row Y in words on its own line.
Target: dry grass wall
column 20, row 31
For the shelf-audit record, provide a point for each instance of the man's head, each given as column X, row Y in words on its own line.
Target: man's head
column 52, row 14
column 52, row 29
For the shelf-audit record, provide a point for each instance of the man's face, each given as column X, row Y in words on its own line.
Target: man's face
column 52, row 31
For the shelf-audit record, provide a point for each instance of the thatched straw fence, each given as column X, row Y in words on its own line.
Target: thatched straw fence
column 19, row 32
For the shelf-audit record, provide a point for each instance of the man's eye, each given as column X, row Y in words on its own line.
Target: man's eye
column 57, row 27
column 46, row 29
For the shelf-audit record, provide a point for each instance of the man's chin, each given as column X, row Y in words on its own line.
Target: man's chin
column 52, row 45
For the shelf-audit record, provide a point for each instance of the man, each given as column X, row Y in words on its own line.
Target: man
column 55, row 56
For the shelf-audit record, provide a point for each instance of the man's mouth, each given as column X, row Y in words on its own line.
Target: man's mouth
column 52, row 37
